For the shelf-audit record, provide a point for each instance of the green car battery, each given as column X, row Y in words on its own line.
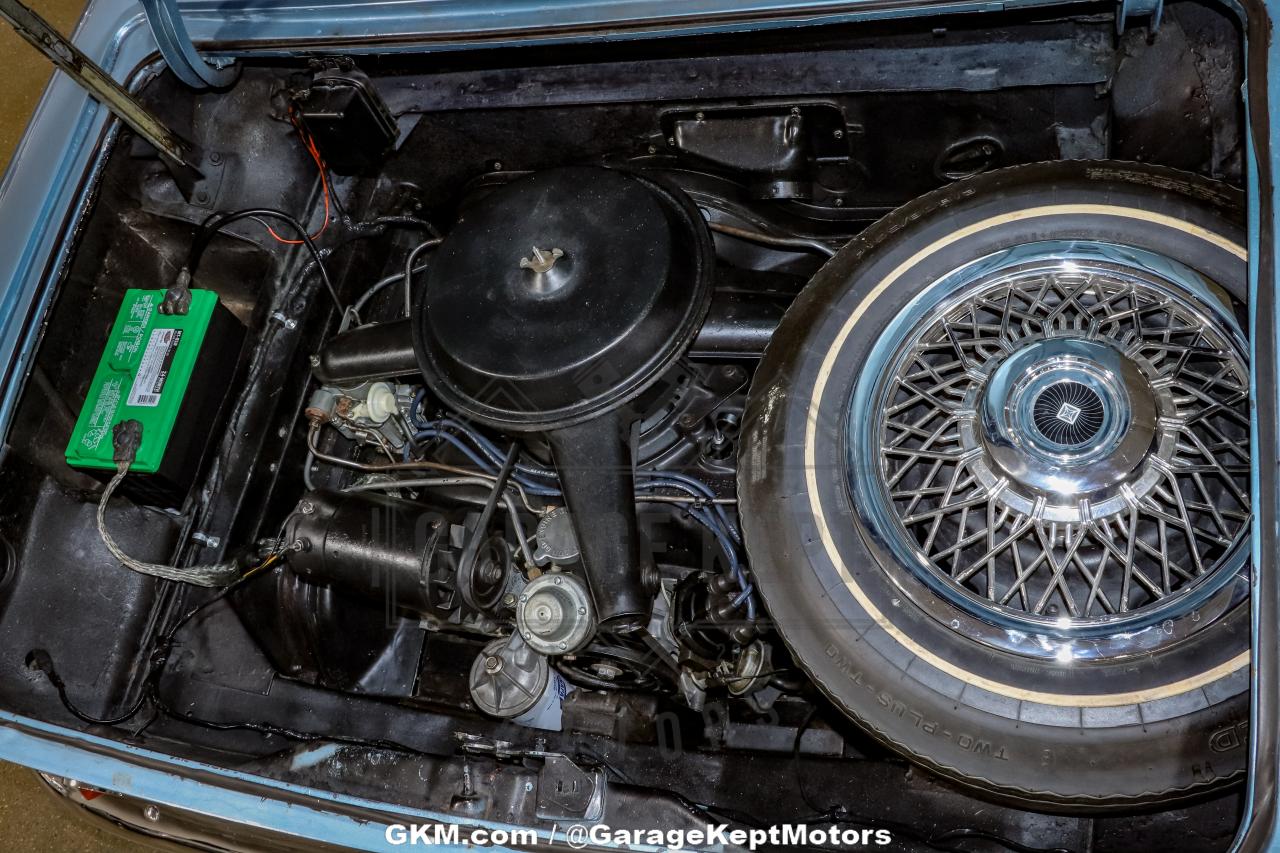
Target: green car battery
column 170, row 372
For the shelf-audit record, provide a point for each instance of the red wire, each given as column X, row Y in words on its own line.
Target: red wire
column 324, row 182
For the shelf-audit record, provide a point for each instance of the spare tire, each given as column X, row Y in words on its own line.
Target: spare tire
column 994, row 483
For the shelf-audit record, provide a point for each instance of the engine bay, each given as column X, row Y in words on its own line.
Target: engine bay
column 493, row 418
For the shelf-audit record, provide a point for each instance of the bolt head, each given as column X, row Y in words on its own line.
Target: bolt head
column 151, row 813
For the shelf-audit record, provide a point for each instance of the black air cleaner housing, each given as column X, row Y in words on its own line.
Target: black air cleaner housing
column 553, row 303
column 532, row 340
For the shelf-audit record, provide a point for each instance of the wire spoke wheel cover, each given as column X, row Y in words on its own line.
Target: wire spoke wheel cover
column 1059, row 445
column 994, row 484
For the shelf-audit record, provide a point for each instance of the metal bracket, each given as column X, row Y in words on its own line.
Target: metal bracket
column 567, row 792
column 180, row 53
column 204, row 187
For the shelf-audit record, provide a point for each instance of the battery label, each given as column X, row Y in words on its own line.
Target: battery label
column 148, row 384
column 135, row 326
column 103, row 411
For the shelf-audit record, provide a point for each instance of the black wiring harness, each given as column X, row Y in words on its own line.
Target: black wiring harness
column 218, row 221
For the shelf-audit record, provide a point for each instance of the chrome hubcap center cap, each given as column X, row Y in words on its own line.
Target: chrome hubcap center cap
column 1066, row 416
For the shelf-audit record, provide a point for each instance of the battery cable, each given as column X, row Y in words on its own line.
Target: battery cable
column 126, row 438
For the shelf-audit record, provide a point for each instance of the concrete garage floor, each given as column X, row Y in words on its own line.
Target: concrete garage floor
column 30, row 818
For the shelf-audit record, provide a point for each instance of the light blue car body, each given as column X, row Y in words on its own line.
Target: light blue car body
column 46, row 189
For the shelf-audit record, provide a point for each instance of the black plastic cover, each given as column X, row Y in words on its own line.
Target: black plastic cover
column 348, row 119
column 618, row 285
